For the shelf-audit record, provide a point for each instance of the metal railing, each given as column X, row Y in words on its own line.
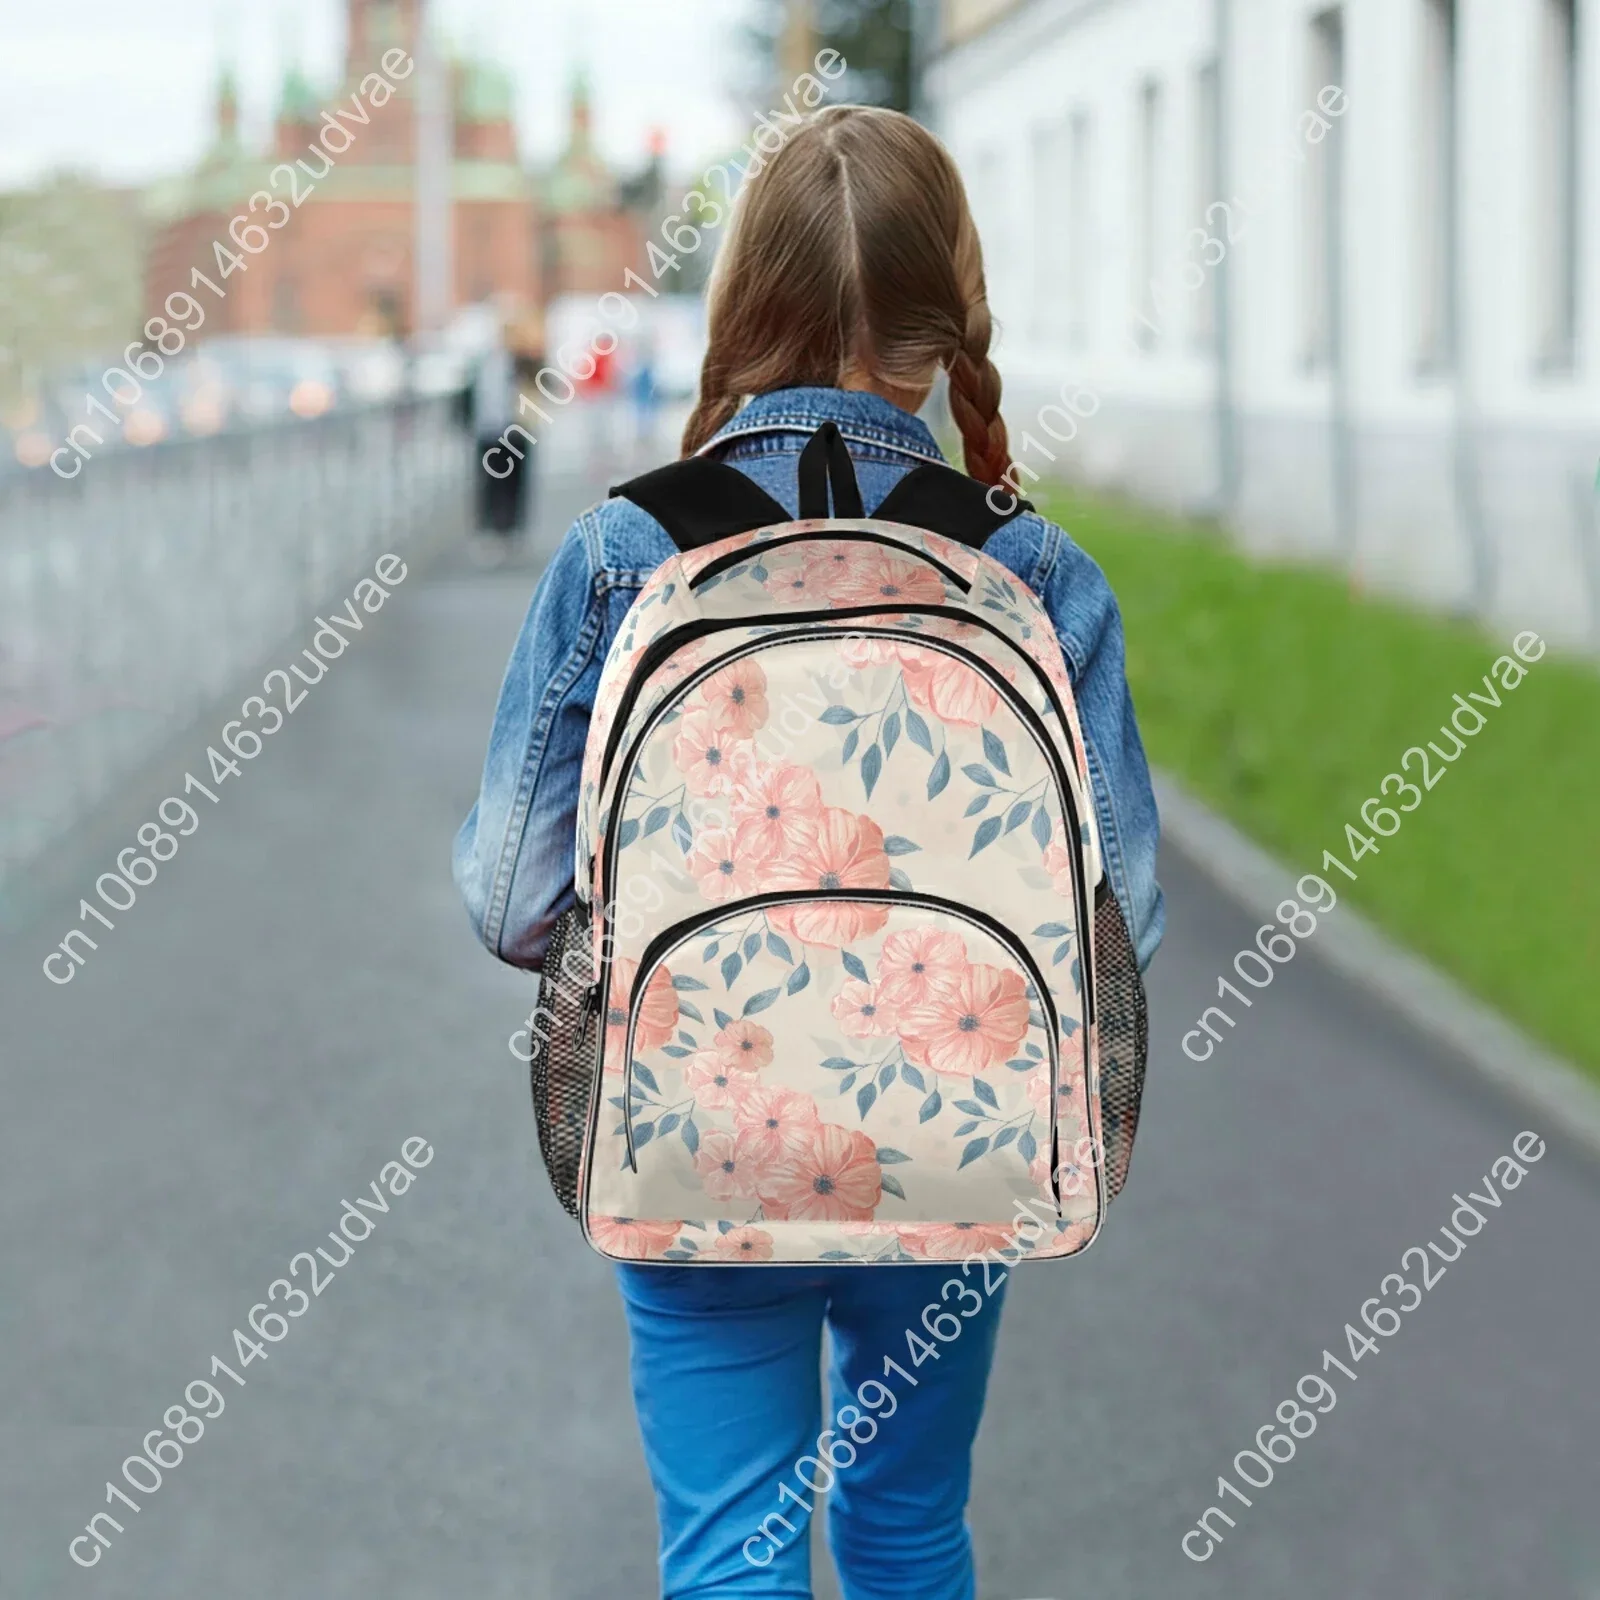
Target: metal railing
column 132, row 596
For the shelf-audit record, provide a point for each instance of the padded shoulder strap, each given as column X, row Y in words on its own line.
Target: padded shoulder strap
column 947, row 502
column 699, row 501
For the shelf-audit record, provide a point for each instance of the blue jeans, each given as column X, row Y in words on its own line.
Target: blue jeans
column 726, row 1381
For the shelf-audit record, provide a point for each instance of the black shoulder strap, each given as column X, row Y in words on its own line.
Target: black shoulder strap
column 948, row 502
column 699, row 501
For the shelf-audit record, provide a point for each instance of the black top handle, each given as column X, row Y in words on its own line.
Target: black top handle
column 825, row 460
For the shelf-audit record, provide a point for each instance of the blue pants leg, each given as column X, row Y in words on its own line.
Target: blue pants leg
column 897, row 1520
column 725, row 1379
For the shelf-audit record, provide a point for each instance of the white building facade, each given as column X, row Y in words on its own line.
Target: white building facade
column 1332, row 273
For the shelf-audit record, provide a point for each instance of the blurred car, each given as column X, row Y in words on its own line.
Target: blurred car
column 439, row 371
column 369, row 370
column 236, row 380
column 29, row 431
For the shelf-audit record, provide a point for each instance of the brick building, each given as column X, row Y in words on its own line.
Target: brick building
column 341, row 262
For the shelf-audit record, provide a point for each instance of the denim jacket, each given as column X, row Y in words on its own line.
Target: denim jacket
column 514, row 853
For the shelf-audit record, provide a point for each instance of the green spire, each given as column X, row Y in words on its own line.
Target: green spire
column 227, row 107
column 298, row 100
column 486, row 93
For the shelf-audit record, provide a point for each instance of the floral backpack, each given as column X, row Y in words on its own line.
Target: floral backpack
column 867, row 994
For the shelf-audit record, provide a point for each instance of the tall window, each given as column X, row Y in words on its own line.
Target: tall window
column 1207, row 182
column 1556, row 185
column 1080, row 244
column 1320, row 232
column 1146, row 193
column 1434, row 200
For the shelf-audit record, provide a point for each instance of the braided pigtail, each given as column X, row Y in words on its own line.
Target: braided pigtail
column 974, row 382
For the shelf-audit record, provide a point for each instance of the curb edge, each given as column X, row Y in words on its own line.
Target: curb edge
column 1495, row 1048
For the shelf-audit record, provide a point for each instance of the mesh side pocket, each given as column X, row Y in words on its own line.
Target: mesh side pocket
column 564, row 1042
column 1123, row 1029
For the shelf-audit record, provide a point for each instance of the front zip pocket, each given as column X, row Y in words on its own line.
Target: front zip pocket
column 872, row 1055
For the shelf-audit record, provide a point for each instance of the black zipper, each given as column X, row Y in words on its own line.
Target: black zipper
column 673, row 639
column 681, row 932
column 748, row 552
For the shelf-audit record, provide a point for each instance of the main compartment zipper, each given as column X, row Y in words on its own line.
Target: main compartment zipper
column 748, row 552
column 681, row 932
column 661, row 647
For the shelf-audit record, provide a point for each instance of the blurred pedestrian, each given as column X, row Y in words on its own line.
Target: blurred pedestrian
column 499, row 473
column 598, row 393
column 644, row 390
column 526, row 340
column 852, row 274
column 504, row 468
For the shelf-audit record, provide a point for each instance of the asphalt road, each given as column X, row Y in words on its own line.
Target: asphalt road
column 299, row 994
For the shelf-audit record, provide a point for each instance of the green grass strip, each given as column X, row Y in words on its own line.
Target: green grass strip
column 1283, row 699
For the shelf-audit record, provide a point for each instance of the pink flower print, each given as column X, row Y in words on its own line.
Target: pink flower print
column 744, row 1244
column 776, row 811
column 1042, row 645
column 1059, row 865
column 712, row 1083
column 947, row 688
column 859, row 651
column 709, row 757
column 723, row 866
column 743, row 1047
column 609, row 697
column 1073, row 1237
column 658, row 1012
column 632, row 1239
column 860, row 1013
column 695, row 561
column 846, row 854
column 834, row 1178
column 918, row 963
column 736, row 697
column 796, row 583
column 954, row 1241
column 826, row 570
column 775, row 1123
column 871, row 575
column 1038, row 1087
column 955, row 556
column 976, row 1026
column 726, row 1171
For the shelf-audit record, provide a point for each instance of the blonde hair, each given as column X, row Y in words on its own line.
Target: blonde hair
column 854, row 247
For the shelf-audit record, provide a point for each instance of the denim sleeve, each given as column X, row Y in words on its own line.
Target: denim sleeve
column 513, row 855
column 1089, row 625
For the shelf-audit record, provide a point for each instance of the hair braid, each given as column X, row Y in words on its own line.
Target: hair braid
column 975, row 397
